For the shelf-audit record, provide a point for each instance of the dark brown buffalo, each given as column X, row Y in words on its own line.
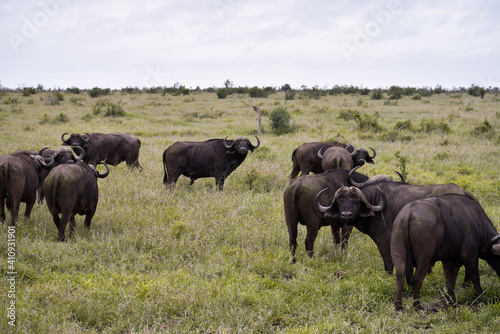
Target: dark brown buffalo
column 216, row 158
column 336, row 157
column 20, row 175
column 299, row 206
column 71, row 189
column 362, row 208
column 111, row 148
column 452, row 229
column 305, row 158
column 63, row 155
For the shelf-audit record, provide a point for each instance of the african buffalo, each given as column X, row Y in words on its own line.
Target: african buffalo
column 19, row 180
column 212, row 158
column 450, row 228
column 299, row 207
column 362, row 208
column 63, row 155
column 71, row 189
column 111, row 148
column 305, row 158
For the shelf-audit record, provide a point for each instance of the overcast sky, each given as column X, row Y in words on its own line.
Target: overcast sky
column 129, row 43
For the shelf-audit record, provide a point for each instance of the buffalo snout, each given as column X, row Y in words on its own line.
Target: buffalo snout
column 346, row 215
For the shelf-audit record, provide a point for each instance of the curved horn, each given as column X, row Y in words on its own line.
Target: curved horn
column 352, row 182
column 226, row 145
column 86, row 136
column 103, row 175
column 258, row 142
column 376, row 207
column 401, row 177
column 43, row 149
column 62, row 137
column 374, row 153
column 319, row 152
column 41, row 160
column 82, row 153
column 354, row 152
column 318, row 205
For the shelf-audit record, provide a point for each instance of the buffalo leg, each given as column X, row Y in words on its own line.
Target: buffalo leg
column 418, row 280
column 292, row 238
column 336, row 234
column 450, row 277
column 14, row 210
column 219, row 181
column 65, row 217
column 2, row 207
column 472, row 274
column 29, row 206
column 88, row 219
column 72, row 225
column 312, row 233
column 400, row 282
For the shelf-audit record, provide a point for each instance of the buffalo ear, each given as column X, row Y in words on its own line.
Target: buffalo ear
column 332, row 212
column 366, row 212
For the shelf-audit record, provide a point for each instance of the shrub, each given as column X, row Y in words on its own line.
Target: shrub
column 395, row 92
column 377, row 94
column 476, row 91
column 73, row 90
column 96, row 92
column 258, row 92
column 366, row 122
column 483, row 128
column 403, row 125
column 55, row 98
column 290, row 94
column 27, row 91
column 429, row 125
column 280, row 121
column 109, row 109
column 221, row 93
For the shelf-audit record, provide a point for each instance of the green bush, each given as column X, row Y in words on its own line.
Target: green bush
column 109, row 109
column 366, row 122
column 395, row 92
column 73, row 90
column 280, row 121
column 221, row 93
column 429, row 125
column 96, row 92
column 476, row 91
column 483, row 128
column 258, row 92
column 290, row 94
column 377, row 94
column 27, row 91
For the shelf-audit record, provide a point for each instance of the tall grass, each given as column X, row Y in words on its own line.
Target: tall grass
column 197, row 260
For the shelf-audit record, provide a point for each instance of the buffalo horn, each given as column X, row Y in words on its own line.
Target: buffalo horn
column 320, row 155
column 352, row 182
column 258, row 142
column 82, row 153
column 62, row 137
column 374, row 153
column 86, row 136
column 354, row 152
column 227, row 145
column 318, row 205
column 43, row 149
column 103, row 175
column 492, row 247
column 401, row 177
column 362, row 197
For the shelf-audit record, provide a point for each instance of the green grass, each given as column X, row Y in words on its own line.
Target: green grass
column 197, row 260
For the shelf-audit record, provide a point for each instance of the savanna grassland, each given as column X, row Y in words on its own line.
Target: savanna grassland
column 194, row 259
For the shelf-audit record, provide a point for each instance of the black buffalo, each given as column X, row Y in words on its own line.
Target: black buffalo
column 71, row 189
column 62, row 155
column 299, row 207
column 365, row 208
column 110, row 148
column 452, row 229
column 305, row 157
column 216, row 158
column 20, row 175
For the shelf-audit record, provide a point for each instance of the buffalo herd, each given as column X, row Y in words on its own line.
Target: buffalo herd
column 413, row 226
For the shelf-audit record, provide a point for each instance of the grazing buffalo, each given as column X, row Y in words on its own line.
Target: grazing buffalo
column 452, row 229
column 71, row 189
column 212, row 158
column 299, row 207
column 63, row 155
column 111, row 148
column 20, row 174
column 365, row 208
column 305, row 158
column 336, row 157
